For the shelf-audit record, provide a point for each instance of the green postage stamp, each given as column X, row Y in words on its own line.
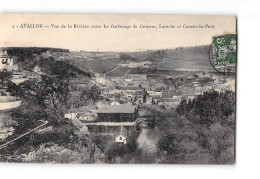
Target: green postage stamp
column 223, row 53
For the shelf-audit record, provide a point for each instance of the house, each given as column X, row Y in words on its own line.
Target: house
column 145, row 85
column 169, row 102
column 100, row 79
column 70, row 115
column 131, row 89
column 87, row 113
column 37, row 69
column 170, row 99
column 177, row 95
column 128, row 80
column 6, row 62
column 149, row 99
column 167, row 95
column 137, row 77
column 198, row 90
column 139, row 99
column 19, row 78
column 86, row 117
column 191, row 97
column 113, row 91
column 188, row 91
column 119, row 113
column 114, row 103
column 154, row 93
column 130, row 92
column 155, row 99
column 122, row 136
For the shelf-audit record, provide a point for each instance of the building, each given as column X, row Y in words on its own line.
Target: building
column 137, row 77
column 37, row 69
column 139, row 99
column 198, row 90
column 100, row 79
column 120, row 113
column 169, row 102
column 122, row 136
column 177, row 95
column 115, row 103
column 19, row 78
column 188, row 91
column 70, row 115
column 154, row 93
column 6, row 62
column 86, row 117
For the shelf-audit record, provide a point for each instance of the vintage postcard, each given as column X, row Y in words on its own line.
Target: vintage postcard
column 117, row 89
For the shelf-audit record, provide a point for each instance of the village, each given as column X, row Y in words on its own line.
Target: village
column 124, row 99
column 105, row 101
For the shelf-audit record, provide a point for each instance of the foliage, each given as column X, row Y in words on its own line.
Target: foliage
column 204, row 125
column 60, row 69
column 82, row 97
column 115, row 150
column 211, row 107
column 158, row 55
column 48, row 92
column 5, row 77
column 23, row 52
column 124, row 57
column 124, row 152
column 92, row 93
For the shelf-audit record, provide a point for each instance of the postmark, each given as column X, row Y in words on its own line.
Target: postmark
column 223, row 53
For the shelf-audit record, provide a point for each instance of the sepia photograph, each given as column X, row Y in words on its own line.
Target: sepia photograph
column 118, row 89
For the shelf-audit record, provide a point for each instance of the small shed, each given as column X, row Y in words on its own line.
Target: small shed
column 122, row 136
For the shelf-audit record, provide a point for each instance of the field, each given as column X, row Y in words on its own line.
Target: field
column 190, row 58
column 96, row 66
column 121, row 71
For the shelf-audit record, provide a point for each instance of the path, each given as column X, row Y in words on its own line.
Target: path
column 112, row 70
column 6, row 144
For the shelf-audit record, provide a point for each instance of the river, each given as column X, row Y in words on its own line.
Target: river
column 147, row 140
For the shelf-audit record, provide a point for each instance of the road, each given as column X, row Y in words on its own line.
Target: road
column 9, row 105
column 112, row 70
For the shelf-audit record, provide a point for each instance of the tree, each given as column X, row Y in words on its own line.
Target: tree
column 115, row 150
column 5, row 77
column 49, row 93
column 93, row 93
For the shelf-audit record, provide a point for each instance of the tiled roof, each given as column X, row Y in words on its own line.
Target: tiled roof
column 117, row 109
column 131, row 88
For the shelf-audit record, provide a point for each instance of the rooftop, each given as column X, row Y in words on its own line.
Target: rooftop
column 127, row 108
column 111, row 124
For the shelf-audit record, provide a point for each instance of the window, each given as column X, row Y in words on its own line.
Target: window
column 120, row 138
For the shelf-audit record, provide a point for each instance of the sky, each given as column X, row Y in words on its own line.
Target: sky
column 22, row 30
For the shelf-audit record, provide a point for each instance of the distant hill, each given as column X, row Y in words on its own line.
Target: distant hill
column 21, row 51
column 97, row 62
column 190, row 58
column 60, row 69
column 29, row 57
column 182, row 57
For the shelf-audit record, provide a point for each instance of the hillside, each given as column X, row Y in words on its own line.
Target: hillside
column 29, row 51
column 170, row 59
column 195, row 58
column 179, row 59
column 28, row 58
